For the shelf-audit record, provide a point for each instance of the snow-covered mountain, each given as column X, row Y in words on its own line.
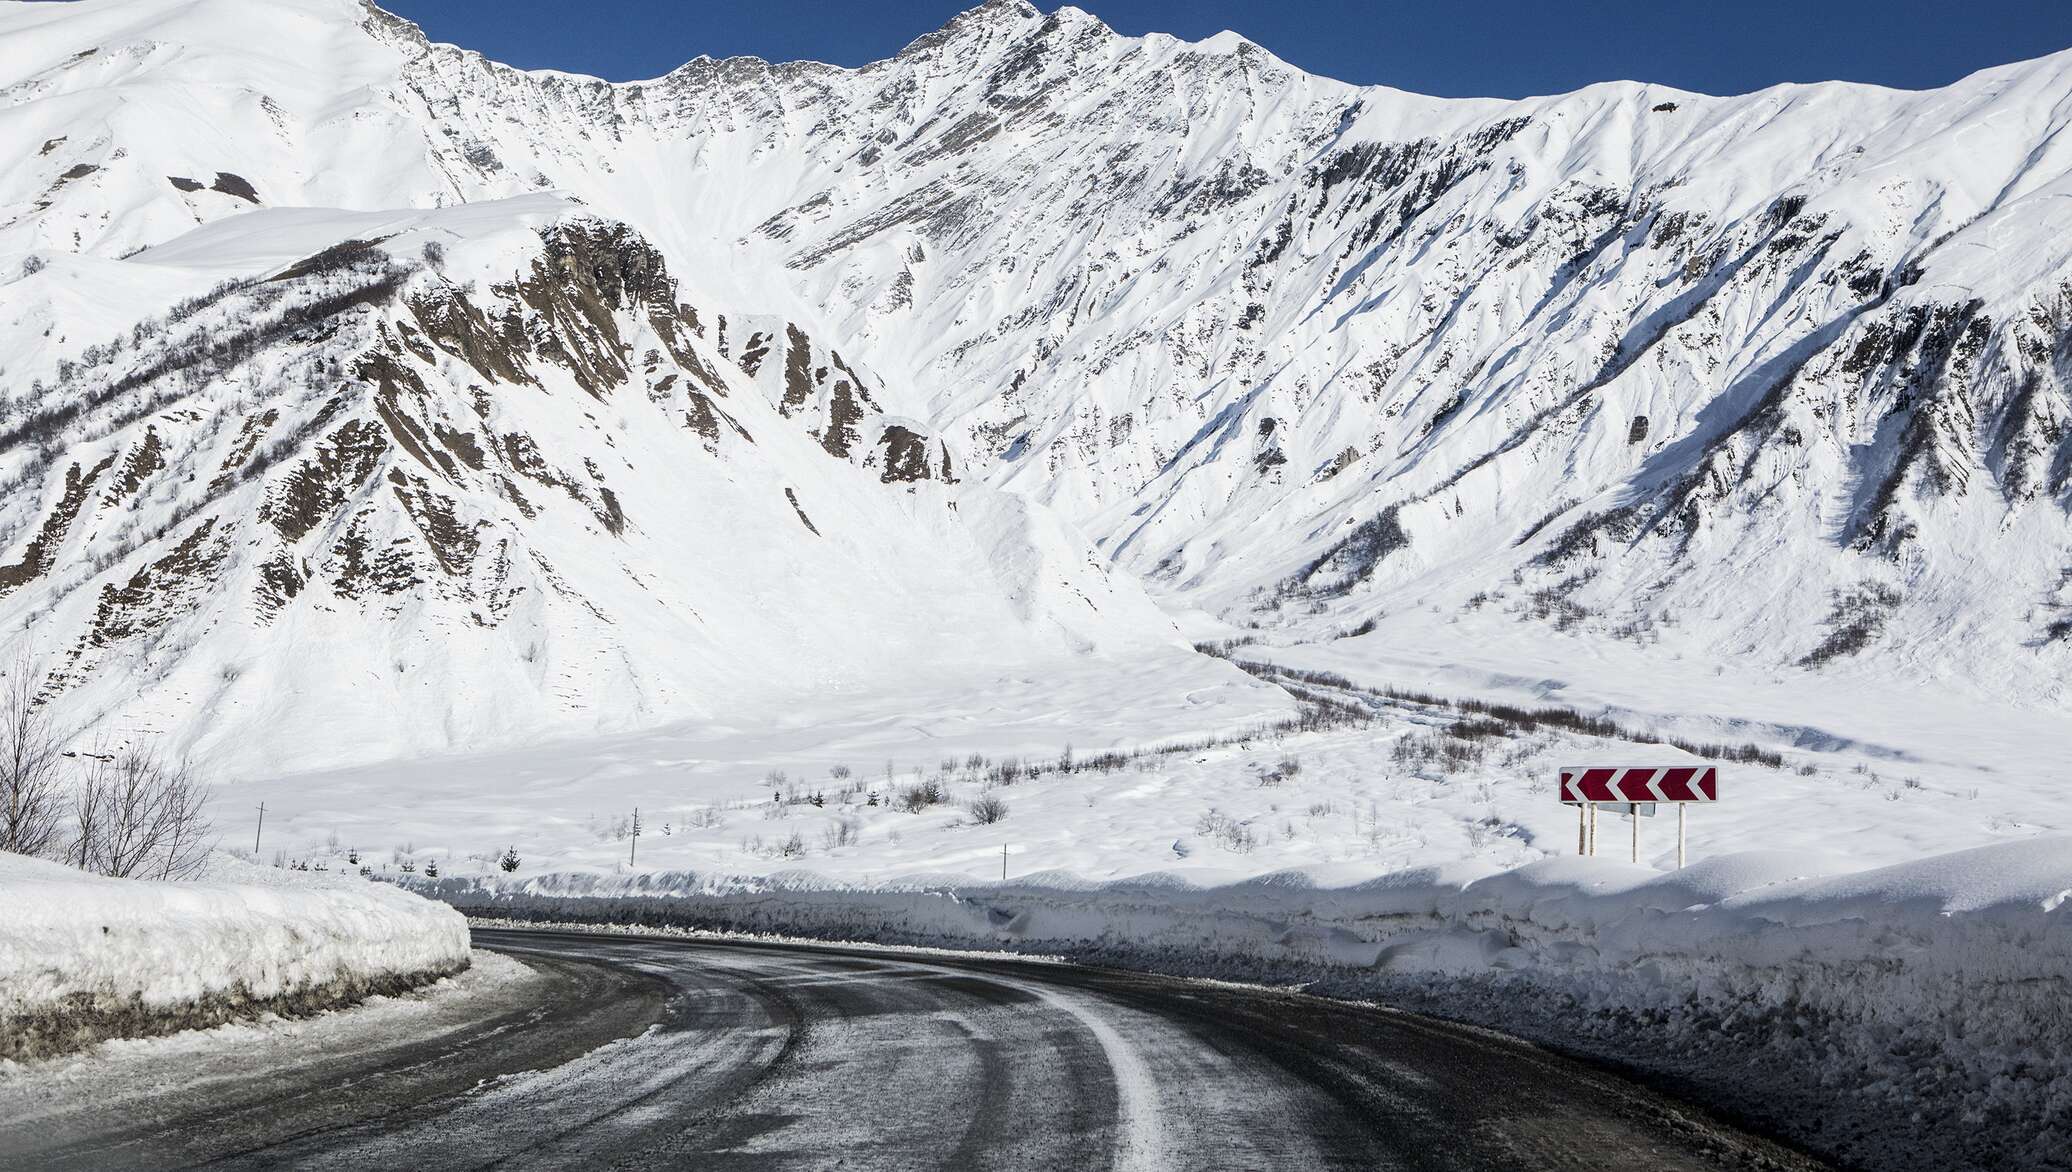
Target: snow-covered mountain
column 403, row 482
column 1776, row 382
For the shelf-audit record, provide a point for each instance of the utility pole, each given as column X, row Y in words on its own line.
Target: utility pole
column 633, row 851
column 259, row 831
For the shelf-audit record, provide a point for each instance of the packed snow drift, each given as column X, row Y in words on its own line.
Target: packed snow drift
column 84, row 958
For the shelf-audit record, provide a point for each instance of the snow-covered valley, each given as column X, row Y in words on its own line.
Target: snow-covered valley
column 1054, row 490
column 747, row 417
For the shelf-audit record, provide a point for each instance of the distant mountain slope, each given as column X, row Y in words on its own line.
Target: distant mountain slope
column 1776, row 381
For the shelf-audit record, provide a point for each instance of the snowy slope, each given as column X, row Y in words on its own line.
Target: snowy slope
column 1622, row 342
column 405, row 482
column 1769, row 384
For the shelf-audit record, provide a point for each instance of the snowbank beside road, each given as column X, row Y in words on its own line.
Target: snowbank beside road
column 1910, row 1016
column 84, row 958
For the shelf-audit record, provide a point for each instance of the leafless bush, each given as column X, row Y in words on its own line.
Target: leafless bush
column 919, row 796
column 135, row 817
column 987, row 809
column 1444, row 749
column 1233, row 834
column 31, row 801
column 1287, row 769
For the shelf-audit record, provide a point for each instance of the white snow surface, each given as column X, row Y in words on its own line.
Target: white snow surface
column 1762, row 383
column 71, row 941
column 1822, row 1001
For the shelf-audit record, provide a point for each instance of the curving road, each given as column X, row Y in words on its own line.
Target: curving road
column 630, row 1052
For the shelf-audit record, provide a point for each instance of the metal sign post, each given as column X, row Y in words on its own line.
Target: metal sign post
column 1637, row 788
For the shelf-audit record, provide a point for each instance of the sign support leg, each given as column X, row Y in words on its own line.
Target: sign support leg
column 1582, row 829
column 1681, row 809
column 1633, row 812
column 1593, row 830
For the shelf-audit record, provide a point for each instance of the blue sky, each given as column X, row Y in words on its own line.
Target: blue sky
column 1503, row 48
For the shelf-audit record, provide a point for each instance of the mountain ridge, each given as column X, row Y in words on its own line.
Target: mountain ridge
column 1774, row 381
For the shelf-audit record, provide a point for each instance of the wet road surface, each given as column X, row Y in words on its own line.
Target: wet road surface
column 638, row 1052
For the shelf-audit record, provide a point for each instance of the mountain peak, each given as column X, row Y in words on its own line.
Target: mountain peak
column 993, row 18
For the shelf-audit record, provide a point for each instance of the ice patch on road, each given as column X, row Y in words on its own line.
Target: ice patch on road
column 1140, row 1142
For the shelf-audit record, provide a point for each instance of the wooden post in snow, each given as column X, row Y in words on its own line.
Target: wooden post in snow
column 1681, row 810
column 1582, row 830
column 1633, row 812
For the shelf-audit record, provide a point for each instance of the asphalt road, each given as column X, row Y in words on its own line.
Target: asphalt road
column 670, row 1053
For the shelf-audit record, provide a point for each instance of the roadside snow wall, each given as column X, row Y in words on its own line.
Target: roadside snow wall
column 1916, row 1016
column 84, row 958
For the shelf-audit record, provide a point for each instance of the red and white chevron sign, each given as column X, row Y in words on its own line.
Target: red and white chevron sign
column 1639, row 784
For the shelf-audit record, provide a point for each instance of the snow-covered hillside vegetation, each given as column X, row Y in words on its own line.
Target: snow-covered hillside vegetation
column 1768, row 385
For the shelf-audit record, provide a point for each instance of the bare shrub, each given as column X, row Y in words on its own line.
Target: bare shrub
column 135, row 817
column 31, row 757
column 1443, row 749
column 919, row 796
column 987, row 809
column 1287, row 769
column 1231, row 833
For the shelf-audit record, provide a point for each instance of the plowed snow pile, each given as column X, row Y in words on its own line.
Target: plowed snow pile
column 1907, row 1016
column 84, row 957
